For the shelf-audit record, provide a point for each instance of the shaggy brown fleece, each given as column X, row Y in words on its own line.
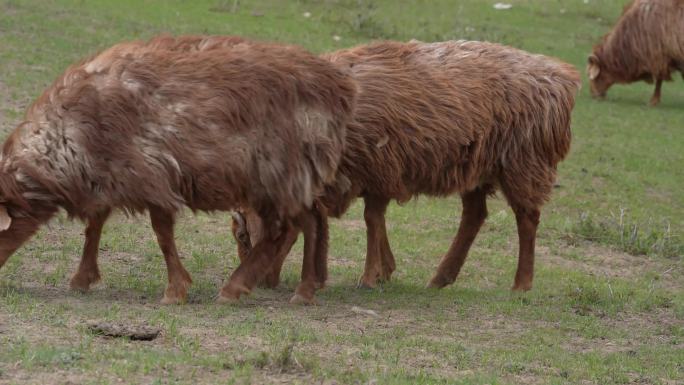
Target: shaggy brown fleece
column 456, row 117
column 211, row 123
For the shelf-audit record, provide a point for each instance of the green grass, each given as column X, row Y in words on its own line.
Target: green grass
column 608, row 303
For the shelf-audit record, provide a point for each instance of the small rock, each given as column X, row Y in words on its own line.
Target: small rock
column 359, row 310
column 306, row 14
column 503, row 6
column 337, row 38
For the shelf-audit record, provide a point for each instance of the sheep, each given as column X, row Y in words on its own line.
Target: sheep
column 209, row 123
column 647, row 43
column 456, row 117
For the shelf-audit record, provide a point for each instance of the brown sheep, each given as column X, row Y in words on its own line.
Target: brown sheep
column 647, row 43
column 444, row 118
column 204, row 122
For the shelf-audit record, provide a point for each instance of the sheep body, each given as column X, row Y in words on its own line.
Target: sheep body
column 646, row 43
column 205, row 122
column 458, row 117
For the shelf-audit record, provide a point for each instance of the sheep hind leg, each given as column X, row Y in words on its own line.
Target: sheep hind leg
column 88, row 273
column 388, row 264
column 655, row 99
column 321, row 255
column 473, row 216
column 527, row 221
column 374, row 215
column 304, row 294
column 179, row 279
column 272, row 279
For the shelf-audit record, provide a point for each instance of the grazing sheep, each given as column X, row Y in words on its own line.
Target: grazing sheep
column 647, row 43
column 211, row 123
column 456, row 117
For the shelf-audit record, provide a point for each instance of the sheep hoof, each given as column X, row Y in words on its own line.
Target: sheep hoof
column 299, row 299
column 174, row 295
column 438, row 282
column 170, row 300
column 227, row 300
column 79, row 286
column 230, row 294
column 367, row 283
column 522, row 287
column 81, row 282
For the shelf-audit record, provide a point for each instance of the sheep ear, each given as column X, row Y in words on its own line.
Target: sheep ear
column 593, row 68
column 5, row 219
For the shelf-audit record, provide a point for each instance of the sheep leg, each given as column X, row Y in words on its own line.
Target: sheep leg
column 376, row 233
column 272, row 279
column 255, row 268
column 241, row 235
column 527, row 220
column 655, row 100
column 304, row 294
column 321, row 255
column 179, row 278
column 88, row 273
column 473, row 216
column 388, row 264
column 244, row 239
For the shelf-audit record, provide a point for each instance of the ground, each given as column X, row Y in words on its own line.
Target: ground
column 608, row 301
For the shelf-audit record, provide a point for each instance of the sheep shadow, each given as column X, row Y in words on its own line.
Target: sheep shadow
column 666, row 104
column 397, row 295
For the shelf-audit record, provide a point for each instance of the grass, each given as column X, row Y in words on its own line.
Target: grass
column 607, row 307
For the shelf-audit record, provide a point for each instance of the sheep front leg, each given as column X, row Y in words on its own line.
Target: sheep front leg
column 246, row 238
column 256, row 267
column 473, row 216
column 179, row 278
column 272, row 278
column 241, row 235
column 88, row 273
column 655, row 100
column 379, row 258
column 527, row 221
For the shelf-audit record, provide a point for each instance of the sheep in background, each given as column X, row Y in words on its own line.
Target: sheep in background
column 647, row 43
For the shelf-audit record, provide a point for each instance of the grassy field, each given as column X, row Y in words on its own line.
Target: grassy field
column 608, row 302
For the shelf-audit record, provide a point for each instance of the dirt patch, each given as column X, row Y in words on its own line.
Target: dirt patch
column 603, row 261
column 659, row 195
column 351, row 224
column 7, row 103
column 8, row 9
column 4, row 104
column 119, row 256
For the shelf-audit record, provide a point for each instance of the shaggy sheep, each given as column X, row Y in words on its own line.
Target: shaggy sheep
column 647, row 43
column 458, row 117
column 204, row 122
